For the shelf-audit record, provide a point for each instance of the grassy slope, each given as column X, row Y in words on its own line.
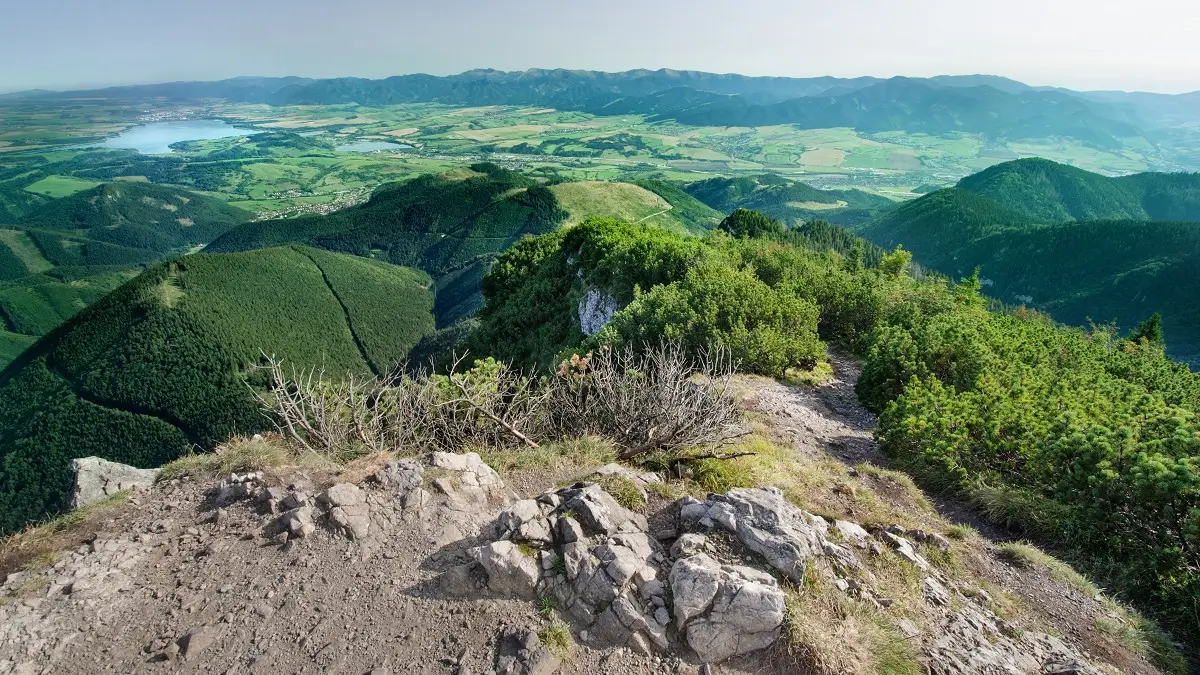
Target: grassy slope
column 157, row 364
column 623, row 201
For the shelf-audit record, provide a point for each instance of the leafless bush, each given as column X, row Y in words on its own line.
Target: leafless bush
column 489, row 405
column 649, row 400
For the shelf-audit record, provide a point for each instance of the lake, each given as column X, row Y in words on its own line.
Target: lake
column 157, row 137
column 372, row 146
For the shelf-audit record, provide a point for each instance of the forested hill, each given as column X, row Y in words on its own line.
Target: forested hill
column 115, row 224
column 1046, row 191
column 1082, row 246
column 450, row 225
column 158, row 365
column 65, row 254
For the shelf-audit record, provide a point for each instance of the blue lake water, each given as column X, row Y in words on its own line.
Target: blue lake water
column 371, row 146
column 157, row 137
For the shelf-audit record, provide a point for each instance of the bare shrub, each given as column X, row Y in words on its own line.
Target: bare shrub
column 489, row 405
column 656, row 399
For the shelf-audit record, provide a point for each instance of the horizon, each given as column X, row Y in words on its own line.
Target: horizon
column 1103, row 45
column 100, row 86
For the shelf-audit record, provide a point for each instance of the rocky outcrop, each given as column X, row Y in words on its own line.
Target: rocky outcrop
column 448, row 497
column 974, row 640
column 718, row 595
column 724, row 610
column 594, row 557
column 769, row 525
column 596, row 309
column 97, row 479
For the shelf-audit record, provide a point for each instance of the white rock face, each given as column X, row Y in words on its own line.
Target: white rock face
column 96, row 479
column 596, row 309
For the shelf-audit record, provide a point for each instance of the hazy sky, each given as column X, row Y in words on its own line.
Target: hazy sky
column 1084, row 44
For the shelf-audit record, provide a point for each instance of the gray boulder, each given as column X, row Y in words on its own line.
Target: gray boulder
column 725, row 610
column 97, row 479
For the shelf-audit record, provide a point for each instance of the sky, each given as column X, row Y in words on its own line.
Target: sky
column 1147, row 45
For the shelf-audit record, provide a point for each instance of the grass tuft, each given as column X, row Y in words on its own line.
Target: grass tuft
column 557, row 638
column 587, row 451
column 961, row 532
column 37, row 546
column 819, row 375
column 1018, row 510
column 623, row 490
column 824, row 631
column 547, row 606
column 238, row 455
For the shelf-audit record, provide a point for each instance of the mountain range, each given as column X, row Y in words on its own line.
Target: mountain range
column 1084, row 247
column 989, row 105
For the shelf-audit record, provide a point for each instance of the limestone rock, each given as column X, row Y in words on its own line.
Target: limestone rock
column 510, row 572
column 343, row 494
column 197, row 640
column 905, row 549
column 596, row 309
column 723, row 610
column 853, row 533
column 769, row 525
column 640, row 480
column 97, row 479
column 592, row 555
column 521, row 652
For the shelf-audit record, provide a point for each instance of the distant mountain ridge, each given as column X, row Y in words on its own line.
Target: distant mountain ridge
column 974, row 103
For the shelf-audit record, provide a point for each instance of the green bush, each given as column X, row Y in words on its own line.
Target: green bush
column 1102, row 463
column 716, row 305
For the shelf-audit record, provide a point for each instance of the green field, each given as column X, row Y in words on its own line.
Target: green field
column 61, row 186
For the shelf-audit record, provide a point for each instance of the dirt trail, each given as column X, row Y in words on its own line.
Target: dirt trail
column 828, row 421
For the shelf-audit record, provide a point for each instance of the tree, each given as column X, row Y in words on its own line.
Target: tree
column 747, row 223
column 1149, row 330
column 896, row 263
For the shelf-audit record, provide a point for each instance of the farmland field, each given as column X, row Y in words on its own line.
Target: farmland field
column 295, row 166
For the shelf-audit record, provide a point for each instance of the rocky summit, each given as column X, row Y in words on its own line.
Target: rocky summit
column 260, row 577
